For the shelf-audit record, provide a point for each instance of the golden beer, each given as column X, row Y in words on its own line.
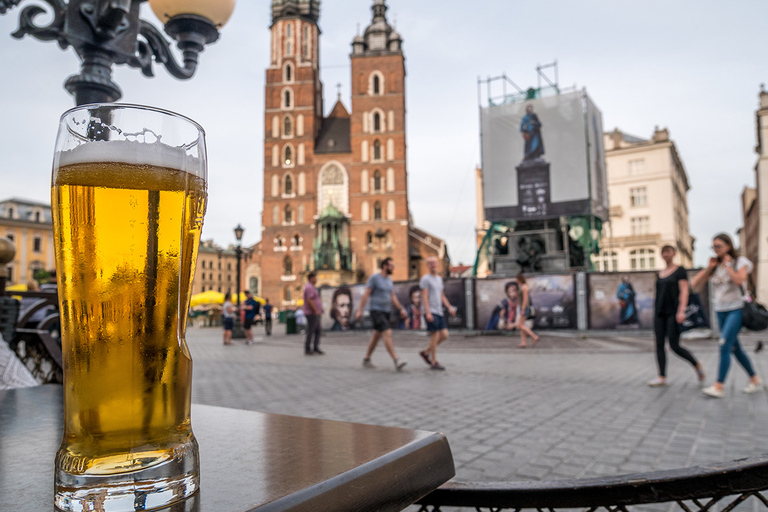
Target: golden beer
column 127, row 236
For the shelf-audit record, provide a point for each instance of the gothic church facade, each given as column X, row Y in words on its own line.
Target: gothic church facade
column 335, row 186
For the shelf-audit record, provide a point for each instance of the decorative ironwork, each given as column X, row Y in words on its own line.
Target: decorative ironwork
column 107, row 32
column 691, row 489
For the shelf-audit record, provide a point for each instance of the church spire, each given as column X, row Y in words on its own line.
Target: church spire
column 379, row 35
column 307, row 9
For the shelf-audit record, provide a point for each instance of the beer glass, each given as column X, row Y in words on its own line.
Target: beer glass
column 128, row 199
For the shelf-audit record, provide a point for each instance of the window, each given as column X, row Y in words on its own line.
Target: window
column 280, row 241
column 253, row 285
column 377, row 181
column 369, row 239
column 37, row 244
column 376, row 150
column 288, row 30
column 288, row 266
column 288, row 214
column 376, row 122
column 376, row 85
column 641, row 259
column 37, row 216
column 9, row 212
column 296, row 240
column 288, row 48
column 638, row 196
column 305, row 42
column 288, row 72
column 607, row 261
column 288, row 185
column 636, row 167
column 640, row 225
column 229, row 266
column 377, row 211
column 287, row 127
column 287, row 99
column 288, row 156
column 287, row 294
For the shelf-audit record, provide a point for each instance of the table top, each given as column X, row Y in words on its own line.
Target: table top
column 250, row 461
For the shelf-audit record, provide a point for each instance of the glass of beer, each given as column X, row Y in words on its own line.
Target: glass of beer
column 128, row 199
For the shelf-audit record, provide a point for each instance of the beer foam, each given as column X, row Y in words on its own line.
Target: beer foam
column 132, row 153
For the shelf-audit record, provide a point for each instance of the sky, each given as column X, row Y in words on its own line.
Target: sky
column 692, row 66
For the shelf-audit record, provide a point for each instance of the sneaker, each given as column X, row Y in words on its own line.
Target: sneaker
column 753, row 387
column 319, row 352
column 367, row 363
column 657, row 382
column 713, row 392
column 400, row 364
column 308, row 352
column 249, row 342
column 425, row 356
column 436, row 366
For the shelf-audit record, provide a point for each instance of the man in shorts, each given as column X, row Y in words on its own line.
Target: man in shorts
column 433, row 297
column 312, row 309
column 381, row 292
column 252, row 309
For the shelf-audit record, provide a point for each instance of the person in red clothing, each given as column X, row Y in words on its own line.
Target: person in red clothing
column 313, row 309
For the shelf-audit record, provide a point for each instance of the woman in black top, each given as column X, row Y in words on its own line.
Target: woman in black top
column 671, row 299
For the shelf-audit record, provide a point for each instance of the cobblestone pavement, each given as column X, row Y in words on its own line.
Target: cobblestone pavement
column 571, row 407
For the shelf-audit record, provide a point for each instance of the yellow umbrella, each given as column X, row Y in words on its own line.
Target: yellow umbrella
column 16, row 288
column 214, row 297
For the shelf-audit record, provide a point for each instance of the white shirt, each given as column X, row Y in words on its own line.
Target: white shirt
column 725, row 293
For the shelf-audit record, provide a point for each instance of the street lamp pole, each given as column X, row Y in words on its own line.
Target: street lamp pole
column 237, row 330
column 107, row 32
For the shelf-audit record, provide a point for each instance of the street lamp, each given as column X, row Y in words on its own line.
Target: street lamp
column 107, row 32
column 237, row 330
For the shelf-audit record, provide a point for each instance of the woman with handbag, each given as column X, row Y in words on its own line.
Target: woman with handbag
column 671, row 299
column 727, row 272
column 526, row 313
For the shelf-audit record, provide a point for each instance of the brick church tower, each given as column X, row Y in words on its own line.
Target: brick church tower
column 335, row 187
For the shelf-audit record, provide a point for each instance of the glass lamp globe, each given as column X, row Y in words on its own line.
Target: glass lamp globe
column 217, row 11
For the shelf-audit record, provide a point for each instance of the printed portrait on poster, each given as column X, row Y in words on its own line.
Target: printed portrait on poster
column 622, row 300
column 498, row 302
column 340, row 305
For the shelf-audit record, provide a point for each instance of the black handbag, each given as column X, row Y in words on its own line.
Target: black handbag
column 754, row 316
column 695, row 317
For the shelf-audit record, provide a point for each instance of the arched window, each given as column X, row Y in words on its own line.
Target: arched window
column 288, row 74
column 287, row 99
column 369, row 239
column 288, row 48
column 376, row 85
column 253, row 285
column 288, row 30
column 296, row 240
column 280, row 241
column 288, row 214
column 287, row 127
column 305, row 42
column 641, row 259
column 287, row 156
column 288, row 266
column 377, row 181
column 288, row 185
column 376, row 150
column 377, row 211
column 376, row 122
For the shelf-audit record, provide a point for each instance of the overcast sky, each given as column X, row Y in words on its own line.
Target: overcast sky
column 692, row 66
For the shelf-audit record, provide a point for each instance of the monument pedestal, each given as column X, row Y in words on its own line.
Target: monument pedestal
column 533, row 189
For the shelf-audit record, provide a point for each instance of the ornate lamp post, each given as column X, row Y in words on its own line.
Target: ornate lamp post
column 107, row 32
column 237, row 330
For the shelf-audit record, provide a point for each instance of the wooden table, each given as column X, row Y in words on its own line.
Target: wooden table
column 250, row 461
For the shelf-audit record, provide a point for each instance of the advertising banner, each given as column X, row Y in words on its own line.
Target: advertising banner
column 622, row 300
column 497, row 302
column 535, row 162
column 340, row 305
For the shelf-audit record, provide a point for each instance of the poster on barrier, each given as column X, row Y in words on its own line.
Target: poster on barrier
column 340, row 305
column 497, row 302
column 622, row 300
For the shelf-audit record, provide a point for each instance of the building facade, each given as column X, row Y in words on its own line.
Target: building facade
column 216, row 268
column 761, row 177
column 28, row 225
column 647, row 190
column 336, row 186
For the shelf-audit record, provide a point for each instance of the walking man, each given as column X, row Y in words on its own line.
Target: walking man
column 251, row 312
column 381, row 292
column 267, row 318
column 433, row 298
column 313, row 308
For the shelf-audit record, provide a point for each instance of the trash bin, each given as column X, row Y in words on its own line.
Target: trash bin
column 281, row 316
column 290, row 322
